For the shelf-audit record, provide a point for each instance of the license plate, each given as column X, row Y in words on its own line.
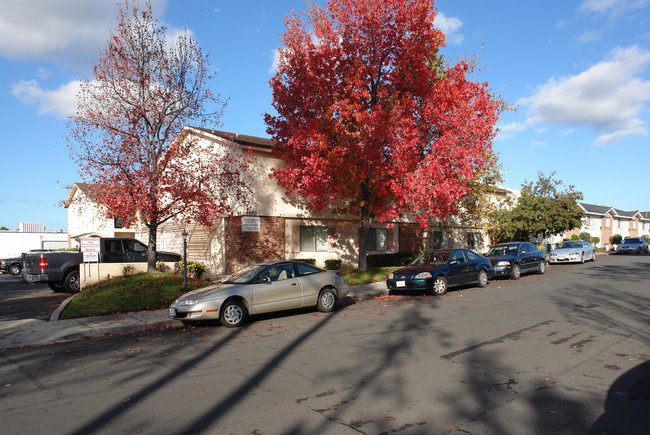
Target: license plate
column 400, row 284
column 172, row 312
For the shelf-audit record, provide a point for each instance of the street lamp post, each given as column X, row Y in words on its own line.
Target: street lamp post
column 184, row 234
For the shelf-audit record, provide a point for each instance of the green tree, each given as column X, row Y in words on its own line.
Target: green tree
column 586, row 237
column 544, row 209
column 3, row 228
column 616, row 239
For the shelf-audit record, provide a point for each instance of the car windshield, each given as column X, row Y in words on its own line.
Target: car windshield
column 245, row 275
column 500, row 251
column 570, row 244
column 437, row 258
column 630, row 241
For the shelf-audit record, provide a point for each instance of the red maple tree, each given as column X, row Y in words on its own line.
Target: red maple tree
column 125, row 135
column 370, row 121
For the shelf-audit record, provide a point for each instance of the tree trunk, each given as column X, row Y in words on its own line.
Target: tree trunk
column 151, row 251
column 363, row 243
column 366, row 221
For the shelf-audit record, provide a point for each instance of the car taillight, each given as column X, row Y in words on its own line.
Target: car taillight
column 43, row 263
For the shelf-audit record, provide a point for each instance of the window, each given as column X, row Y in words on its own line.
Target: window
column 619, row 223
column 633, row 225
column 437, row 239
column 377, row 239
column 471, row 256
column 474, row 241
column 313, row 239
column 135, row 246
column 457, row 256
column 606, row 222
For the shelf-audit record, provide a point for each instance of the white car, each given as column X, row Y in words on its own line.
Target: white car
column 573, row 251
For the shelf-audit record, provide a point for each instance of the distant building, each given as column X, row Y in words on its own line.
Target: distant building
column 31, row 227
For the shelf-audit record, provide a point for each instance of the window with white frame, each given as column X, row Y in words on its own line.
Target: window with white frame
column 633, row 225
column 437, row 240
column 619, row 223
column 377, row 239
column 474, row 241
column 313, row 238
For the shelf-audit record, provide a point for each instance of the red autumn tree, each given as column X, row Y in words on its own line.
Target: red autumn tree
column 370, row 121
column 145, row 88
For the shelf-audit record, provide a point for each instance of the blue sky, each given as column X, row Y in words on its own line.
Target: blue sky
column 578, row 74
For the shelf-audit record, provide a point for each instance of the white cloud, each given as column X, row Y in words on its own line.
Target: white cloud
column 612, row 7
column 275, row 55
column 70, row 30
column 450, row 26
column 608, row 97
column 61, row 102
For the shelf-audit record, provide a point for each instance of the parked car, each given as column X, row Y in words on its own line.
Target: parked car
column 435, row 271
column 513, row 259
column 11, row 265
column 635, row 245
column 262, row 288
column 572, row 251
column 60, row 269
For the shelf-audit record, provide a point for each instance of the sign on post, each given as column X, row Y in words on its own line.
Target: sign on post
column 90, row 244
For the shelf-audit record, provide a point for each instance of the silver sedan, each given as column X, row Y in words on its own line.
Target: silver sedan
column 573, row 251
column 262, row 288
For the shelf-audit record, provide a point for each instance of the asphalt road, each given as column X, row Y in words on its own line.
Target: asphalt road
column 562, row 353
column 20, row 300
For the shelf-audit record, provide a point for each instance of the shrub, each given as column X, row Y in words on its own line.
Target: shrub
column 333, row 264
column 128, row 270
column 388, row 260
column 616, row 239
column 586, row 237
column 575, row 237
column 194, row 268
column 162, row 267
column 311, row 261
column 646, row 238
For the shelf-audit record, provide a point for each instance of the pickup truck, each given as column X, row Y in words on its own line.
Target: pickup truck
column 60, row 269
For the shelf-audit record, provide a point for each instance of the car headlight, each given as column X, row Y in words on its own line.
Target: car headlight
column 391, row 276
column 189, row 302
column 422, row 275
column 503, row 263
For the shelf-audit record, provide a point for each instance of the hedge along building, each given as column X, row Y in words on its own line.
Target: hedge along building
column 274, row 226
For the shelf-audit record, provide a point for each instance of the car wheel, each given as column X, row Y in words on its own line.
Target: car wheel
column 233, row 314
column 482, row 278
column 14, row 269
column 541, row 267
column 515, row 272
column 440, row 285
column 56, row 286
column 71, row 282
column 326, row 300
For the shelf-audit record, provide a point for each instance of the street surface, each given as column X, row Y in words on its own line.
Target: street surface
column 562, row 353
column 20, row 300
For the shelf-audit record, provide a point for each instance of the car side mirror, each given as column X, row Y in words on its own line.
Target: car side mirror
column 263, row 280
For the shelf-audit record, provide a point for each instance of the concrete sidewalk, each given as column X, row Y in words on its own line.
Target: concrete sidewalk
column 32, row 332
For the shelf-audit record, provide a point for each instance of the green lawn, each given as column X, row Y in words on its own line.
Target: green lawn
column 136, row 293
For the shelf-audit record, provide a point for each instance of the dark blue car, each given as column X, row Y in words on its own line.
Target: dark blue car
column 435, row 271
column 513, row 259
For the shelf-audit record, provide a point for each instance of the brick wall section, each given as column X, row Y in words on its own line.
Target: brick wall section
column 410, row 237
column 245, row 248
column 606, row 233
